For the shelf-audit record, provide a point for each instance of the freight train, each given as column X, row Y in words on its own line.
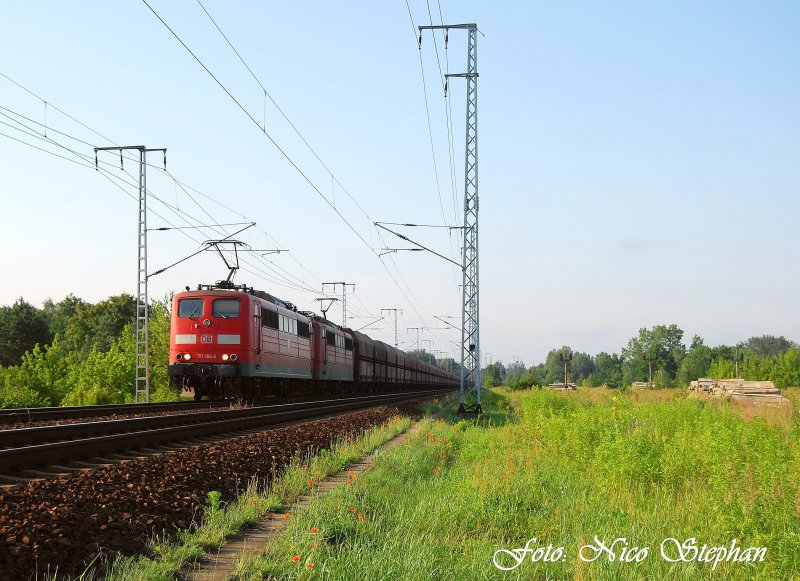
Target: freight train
column 231, row 341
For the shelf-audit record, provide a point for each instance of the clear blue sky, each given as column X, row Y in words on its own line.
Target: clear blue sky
column 638, row 161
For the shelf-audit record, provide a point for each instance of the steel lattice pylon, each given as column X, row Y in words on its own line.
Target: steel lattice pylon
column 470, row 392
column 470, row 313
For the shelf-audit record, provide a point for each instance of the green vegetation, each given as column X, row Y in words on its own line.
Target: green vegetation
column 563, row 468
column 77, row 353
column 659, row 356
column 220, row 521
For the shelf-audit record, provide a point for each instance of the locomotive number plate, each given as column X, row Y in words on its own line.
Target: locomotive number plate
column 206, row 338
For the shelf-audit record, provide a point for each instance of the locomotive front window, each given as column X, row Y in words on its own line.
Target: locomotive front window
column 226, row 308
column 190, row 308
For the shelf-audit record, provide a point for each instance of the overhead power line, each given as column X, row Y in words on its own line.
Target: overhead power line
column 263, row 130
column 296, row 166
column 86, row 161
column 430, row 128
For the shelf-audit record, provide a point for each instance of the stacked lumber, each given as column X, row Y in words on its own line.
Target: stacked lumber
column 563, row 386
column 741, row 387
column 703, row 385
column 740, row 390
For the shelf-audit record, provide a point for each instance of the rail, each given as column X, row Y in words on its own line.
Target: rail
column 31, row 447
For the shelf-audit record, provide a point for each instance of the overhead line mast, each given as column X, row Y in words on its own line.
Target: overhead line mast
column 470, row 312
column 344, row 296
column 395, row 311
column 142, row 385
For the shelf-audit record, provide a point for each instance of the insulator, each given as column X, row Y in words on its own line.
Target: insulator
column 446, row 37
column 165, row 160
column 445, row 87
column 419, row 41
column 121, row 165
column 96, row 168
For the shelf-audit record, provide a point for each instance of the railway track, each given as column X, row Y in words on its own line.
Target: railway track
column 53, row 446
column 28, row 415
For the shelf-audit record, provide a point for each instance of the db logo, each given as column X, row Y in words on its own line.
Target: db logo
column 206, row 339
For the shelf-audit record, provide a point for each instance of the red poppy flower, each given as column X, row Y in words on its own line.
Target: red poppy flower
column 296, row 558
column 310, row 566
column 286, row 516
column 314, row 530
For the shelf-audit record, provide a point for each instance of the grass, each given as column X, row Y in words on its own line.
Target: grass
column 222, row 521
column 562, row 468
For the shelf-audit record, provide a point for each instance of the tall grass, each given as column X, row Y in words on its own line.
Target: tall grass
column 563, row 468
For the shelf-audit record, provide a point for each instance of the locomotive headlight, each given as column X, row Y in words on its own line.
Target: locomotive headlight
column 234, row 357
column 187, row 356
column 224, row 356
column 179, row 356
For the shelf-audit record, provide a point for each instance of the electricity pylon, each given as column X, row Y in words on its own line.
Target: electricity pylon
column 470, row 311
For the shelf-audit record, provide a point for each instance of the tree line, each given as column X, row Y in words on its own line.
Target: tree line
column 659, row 356
column 73, row 352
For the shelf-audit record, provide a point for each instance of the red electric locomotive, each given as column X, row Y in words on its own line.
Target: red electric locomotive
column 233, row 341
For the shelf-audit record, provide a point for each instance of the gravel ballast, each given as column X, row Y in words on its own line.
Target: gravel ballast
column 66, row 522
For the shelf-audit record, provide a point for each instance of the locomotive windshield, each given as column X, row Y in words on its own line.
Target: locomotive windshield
column 226, row 308
column 189, row 308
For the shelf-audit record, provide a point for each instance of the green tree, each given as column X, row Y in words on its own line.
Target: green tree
column 758, row 367
column 95, row 326
column 722, row 368
column 514, row 370
column 43, row 371
column 788, row 371
column 59, row 314
column 532, row 377
column 659, row 348
column 494, row 374
column 22, row 327
column 554, row 364
column 14, row 394
column 581, row 368
column 608, row 370
column 768, row 345
column 696, row 363
column 109, row 376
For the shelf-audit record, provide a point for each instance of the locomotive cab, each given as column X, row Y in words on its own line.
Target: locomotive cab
column 228, row 341
column 209, row 341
